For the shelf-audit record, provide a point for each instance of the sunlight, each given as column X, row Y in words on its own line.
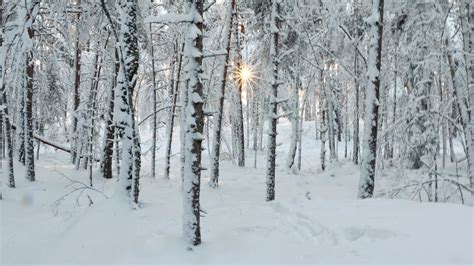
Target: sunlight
column 245, row 74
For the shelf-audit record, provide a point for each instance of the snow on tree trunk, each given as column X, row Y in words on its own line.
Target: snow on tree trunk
column 107, row 150
column 367, row 175
column 20, row 129
column 323, row 128
column 76, row 95
column 4, row 105
column 175, row 89
column 240, row 145
column 194, row 124
column 331, row 124
column 470, row 63
column 214, row 181
column 290, row 161
column 355, row 139
column 273, row 118
column 28, row 43
column 8, row 136
column 154, row 116
column 462, row 107
column 124, row 119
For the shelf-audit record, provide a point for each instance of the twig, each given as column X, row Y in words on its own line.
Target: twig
column 83, row 187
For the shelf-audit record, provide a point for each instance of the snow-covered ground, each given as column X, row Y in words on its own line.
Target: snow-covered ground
column 314, row 219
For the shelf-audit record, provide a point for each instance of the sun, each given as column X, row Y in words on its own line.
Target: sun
column 245, row 74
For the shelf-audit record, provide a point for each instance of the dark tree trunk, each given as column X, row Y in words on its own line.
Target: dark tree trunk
column 29, row 143
column 240, row 84
column 8, row 137
column 174, row 92
column 214, row 182
column 20, row 130
column 76, row 96
column 107, row 152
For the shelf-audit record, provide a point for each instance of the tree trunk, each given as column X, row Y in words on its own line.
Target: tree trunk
column 290, row 161
column 273, row 119
column 153, row 143
column 470, row 63
column 123, row 107
column 29, row 143
column 463, row 109
column 175, row 90
column 355, row 143
column 214, row 181
column 107, row 152
column 20, row 130
column 367, row 176
column 395, row 88
column 194, row 125
column 240, row 83
column 8, row 136
column 323, row 128
column 76, row 95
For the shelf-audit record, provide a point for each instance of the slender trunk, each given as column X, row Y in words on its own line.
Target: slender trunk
column 20, row 131
column 107, row 158
column 463, row 109
column 256, row 124
column 6, row 120
column 395, row 88
column 29, row 142
column 76, row 95
column 300, row 142
column 214, row 181
column 470, row 63
column 290, row 161
column 175, row 90
column 330, row 126
column 367, row 176
column 93, row 106
column 273, row 119
column 240, row 84
column 355, row 143
column 323, row 128
column 346, row 124
column 154, row 118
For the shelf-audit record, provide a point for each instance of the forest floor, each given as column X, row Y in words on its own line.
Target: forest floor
column 314, row 219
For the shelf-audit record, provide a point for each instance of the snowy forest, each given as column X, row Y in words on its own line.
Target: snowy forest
column 226, row 131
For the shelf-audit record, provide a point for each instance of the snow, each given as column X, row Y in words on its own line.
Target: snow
column 315, row 218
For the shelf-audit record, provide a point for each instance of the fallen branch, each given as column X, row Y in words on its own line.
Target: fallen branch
column 51, row 143
column 81, row 189
column 47, row 141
